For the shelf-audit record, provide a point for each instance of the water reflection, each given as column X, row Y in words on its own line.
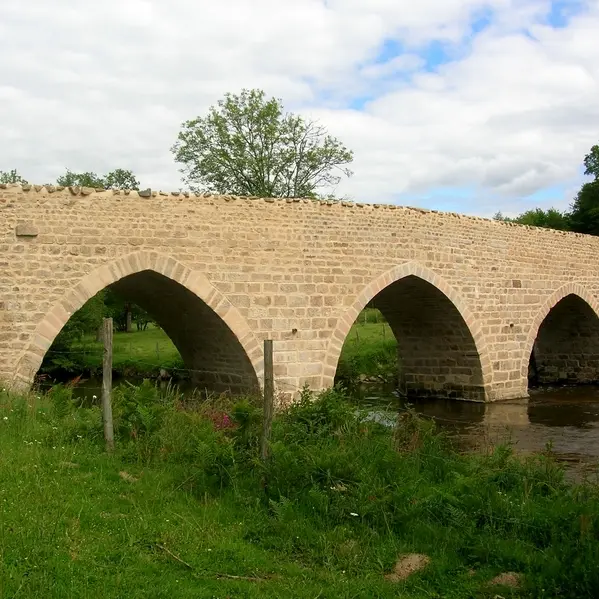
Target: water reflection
column 567, row 419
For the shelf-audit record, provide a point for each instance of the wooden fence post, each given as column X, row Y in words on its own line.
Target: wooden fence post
column 269, row 398
column 107, row 385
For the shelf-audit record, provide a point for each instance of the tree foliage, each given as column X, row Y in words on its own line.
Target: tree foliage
column 591, row 162
column 551, row 219
column 247, row 145
column 87, row 179
column 117, row 179
column 584, row 216
column 121, row 179
column 11, row 176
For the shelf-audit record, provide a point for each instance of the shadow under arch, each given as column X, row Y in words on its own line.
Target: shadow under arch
column 190, row 290
column 444, row 357
column 562, row 345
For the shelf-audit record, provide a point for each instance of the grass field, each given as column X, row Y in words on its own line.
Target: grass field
column 180, row 509
column 141, row 353
column 369, row 352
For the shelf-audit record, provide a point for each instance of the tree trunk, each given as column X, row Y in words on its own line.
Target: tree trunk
column 128, row 327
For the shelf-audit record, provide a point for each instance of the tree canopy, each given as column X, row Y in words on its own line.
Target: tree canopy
column 117, row 179
column 584, row 215
column 551, row 218
column 591, row 162
column 248, row 145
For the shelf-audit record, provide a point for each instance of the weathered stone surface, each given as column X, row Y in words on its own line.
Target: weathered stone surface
column 145, row 193
column 26, row 230
column 87, row 191
column 468, row 298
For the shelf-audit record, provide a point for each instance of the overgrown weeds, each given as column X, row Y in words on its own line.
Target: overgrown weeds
column 344, row 497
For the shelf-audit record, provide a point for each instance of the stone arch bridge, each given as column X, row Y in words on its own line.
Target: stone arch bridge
column 469, row 299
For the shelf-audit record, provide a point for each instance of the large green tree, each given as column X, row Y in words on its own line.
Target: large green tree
column 248, row 145
column 11, row 176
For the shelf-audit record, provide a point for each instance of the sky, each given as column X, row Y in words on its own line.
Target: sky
column 472, row 106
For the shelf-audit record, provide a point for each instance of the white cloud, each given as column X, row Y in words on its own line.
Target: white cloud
column 105, row 85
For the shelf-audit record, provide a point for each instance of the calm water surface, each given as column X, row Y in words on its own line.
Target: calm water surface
column 567, row 418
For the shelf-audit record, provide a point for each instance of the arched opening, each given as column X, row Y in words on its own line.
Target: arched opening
column 566, row 348
column 437, row 355
column 217, row 350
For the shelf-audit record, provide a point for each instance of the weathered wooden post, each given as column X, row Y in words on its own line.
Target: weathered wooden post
column 107, row 384
column 269, row 398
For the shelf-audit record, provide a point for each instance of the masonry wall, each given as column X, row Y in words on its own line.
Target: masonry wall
column 567, row 346
column 296, row 271
column 210, row 350
column 437, row 355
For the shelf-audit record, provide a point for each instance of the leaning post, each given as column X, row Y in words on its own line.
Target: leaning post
column 107, row 385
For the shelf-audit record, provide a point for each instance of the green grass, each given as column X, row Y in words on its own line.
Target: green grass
column 369, row 352
column 344, row 497
column 139, row 353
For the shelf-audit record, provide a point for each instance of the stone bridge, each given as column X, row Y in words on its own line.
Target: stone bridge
column 468, row 299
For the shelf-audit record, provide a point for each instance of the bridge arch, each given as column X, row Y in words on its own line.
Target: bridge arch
column 456, row 367
column 563, row 339
column 191, row 289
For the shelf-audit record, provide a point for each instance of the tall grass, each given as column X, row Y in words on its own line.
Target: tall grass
column 185, row 509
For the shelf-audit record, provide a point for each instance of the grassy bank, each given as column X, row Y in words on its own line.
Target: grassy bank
column 370, row 352
column 181, row 509
column 135, row 354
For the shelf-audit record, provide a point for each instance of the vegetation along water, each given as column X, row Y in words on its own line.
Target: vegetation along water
column 184, row 508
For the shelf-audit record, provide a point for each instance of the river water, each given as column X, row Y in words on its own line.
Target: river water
column 566, row 417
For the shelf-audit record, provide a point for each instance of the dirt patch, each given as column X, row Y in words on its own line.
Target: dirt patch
column 126, row 476
column 406, row 566
column 507, row 579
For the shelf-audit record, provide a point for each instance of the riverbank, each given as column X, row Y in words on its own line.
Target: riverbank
column 181, row 510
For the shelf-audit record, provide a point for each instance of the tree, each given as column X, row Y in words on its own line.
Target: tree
column 591, row 162
column 121, row 179
column 11, row 176
column 117, row 179
column 584, row 215
column 247, row 145
column 550, row 219
column 88, row 179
